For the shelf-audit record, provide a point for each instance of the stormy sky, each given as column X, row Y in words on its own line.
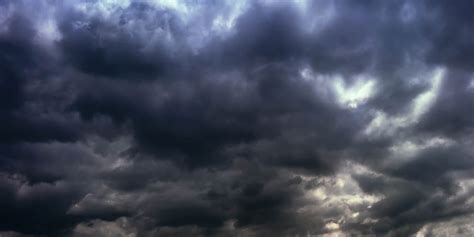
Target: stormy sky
column 228, row 118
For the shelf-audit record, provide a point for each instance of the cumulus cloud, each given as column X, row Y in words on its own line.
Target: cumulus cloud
column 247, row 118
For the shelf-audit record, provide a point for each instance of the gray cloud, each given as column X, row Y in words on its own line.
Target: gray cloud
column 248, row 118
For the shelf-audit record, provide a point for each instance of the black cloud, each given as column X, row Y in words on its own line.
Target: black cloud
column 249, row 119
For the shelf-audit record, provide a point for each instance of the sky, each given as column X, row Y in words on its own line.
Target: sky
column 249, row 118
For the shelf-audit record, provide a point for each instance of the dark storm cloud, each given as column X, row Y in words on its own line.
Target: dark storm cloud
column 410, row 205
column 451, row 113
column 21, row 62
column 108, row 47
column 20, row 213
column 261, row 36
column 435, row 164
column 248, row 118
column 197, row 123
column 451, row 43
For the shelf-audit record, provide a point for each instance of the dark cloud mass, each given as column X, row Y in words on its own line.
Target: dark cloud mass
column 236, row 118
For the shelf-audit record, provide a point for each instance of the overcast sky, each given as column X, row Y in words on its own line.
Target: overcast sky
column 227, row 118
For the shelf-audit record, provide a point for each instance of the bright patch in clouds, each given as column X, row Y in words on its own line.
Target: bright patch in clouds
column 348, row 95
column 343, row 192
column 354, row 94
column 384, row 125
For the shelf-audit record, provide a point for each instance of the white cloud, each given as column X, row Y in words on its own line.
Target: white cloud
column 355, row 94
column 347, row 95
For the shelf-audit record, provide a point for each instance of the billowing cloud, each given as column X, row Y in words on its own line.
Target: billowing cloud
column 247, row 118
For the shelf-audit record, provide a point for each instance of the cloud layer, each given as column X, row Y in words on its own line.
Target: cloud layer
column 247, row 118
